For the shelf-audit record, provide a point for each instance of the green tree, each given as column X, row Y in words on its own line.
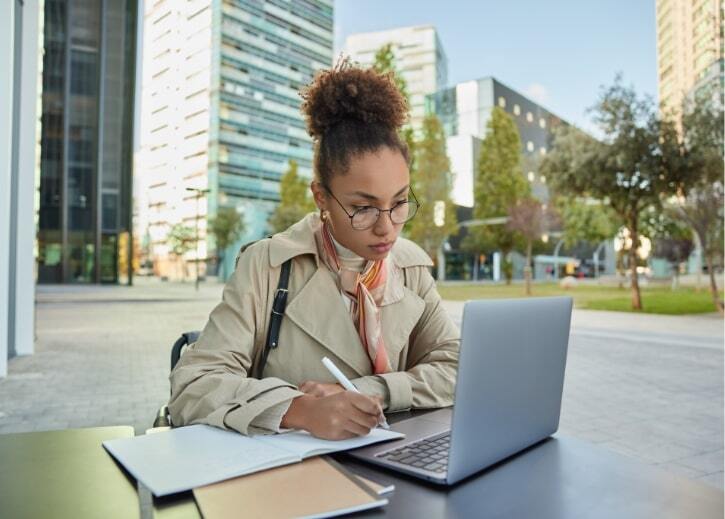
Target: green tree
column 295, row 200
column 181, row 239
column 227, row 227
column 432, row 184
column 384, row 63
column 636, row 166
column 584, row 220
column 499, row 184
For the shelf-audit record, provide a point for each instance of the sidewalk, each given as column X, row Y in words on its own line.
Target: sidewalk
column 647, row 386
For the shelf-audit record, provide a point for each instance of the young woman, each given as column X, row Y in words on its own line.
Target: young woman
column 358, row 293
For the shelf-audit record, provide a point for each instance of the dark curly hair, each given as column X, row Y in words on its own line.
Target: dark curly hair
column 351, row 110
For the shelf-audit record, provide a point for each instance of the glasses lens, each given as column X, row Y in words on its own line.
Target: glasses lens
column 364, row 218
column 404, row 211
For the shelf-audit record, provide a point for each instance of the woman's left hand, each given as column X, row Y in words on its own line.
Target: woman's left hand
column 320, row 389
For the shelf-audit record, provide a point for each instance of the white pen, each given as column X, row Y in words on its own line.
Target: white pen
column 345, row 382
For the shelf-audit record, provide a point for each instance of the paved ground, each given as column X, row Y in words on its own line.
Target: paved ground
column 647, row 386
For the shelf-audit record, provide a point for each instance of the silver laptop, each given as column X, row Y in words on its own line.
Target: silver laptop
column 508, row 393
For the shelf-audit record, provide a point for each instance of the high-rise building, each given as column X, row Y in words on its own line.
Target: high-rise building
column 88, row 85
column 689, row 48
column 464, row 111
column 220, row 112
column 419, row 59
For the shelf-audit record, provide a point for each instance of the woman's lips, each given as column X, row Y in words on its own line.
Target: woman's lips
column 382, row 247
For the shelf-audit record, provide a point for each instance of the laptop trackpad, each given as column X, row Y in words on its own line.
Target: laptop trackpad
column 426, row 425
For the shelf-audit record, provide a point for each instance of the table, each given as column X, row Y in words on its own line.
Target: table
column 69, row 474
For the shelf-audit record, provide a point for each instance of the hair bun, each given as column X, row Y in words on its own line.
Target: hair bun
column 347, row 92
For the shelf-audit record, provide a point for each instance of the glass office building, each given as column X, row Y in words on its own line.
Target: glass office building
column 220, row 112
column 86, row 140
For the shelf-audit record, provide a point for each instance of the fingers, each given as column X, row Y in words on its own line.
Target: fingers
column 356, row 428
column 366, row 404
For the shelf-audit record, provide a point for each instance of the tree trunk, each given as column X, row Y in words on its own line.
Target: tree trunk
column 713, row 286
column 636, row 296
column 675, row 277
column 527, row 268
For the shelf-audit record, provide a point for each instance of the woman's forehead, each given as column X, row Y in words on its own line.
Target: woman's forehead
column 382, row 175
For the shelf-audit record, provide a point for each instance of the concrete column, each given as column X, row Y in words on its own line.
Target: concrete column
column 24, row 225
column 7, row 35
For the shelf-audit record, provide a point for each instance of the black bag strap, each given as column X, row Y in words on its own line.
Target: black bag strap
column 275, row 321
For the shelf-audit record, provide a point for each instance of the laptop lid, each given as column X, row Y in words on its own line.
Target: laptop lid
column 510, row 379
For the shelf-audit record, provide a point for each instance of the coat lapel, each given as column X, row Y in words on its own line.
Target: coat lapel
column 319, row 311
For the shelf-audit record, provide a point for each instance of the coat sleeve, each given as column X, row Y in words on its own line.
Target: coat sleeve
column 210, row 383
column 430, row 376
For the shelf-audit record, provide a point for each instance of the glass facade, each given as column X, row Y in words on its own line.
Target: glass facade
column 267, row 50
column 86, row 139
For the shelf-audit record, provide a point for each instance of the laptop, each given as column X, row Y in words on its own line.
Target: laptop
column 508, row 393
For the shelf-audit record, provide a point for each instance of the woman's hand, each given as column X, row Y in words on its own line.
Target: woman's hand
column 339, row 416
column 320, row 389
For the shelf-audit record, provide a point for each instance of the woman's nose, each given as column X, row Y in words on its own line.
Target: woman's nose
column 384, row 224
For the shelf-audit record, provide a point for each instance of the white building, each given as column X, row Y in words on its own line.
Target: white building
column 220, row 111
column 419, row 58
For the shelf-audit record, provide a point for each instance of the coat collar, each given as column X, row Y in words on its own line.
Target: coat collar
column 299, row 239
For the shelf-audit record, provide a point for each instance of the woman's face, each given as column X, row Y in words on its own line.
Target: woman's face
column 378, row 179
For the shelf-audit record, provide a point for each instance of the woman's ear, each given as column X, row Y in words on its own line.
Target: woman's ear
column 318, row 194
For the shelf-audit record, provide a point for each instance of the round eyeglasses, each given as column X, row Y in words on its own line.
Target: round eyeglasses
column 365, row 217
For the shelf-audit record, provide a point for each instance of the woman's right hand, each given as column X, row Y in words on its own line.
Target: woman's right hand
column 335, row 417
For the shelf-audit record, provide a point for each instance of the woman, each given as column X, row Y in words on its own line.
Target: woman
column 358, row 293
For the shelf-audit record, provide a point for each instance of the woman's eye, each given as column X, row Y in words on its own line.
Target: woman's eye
column 361, row 208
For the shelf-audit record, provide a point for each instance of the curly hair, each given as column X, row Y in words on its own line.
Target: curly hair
column 351, row 110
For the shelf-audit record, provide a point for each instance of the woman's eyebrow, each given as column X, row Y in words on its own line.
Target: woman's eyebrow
column 374, row 198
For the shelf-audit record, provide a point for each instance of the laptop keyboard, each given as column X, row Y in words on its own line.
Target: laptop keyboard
column 427, row 454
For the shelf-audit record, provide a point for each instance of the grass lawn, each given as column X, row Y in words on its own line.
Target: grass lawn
column 655, row 300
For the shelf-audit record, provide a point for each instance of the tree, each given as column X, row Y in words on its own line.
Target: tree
column 295, row 200
column 432, row 186
column 637, row 165
column 384, row 63
column 227, row 227
column 499, row 185
column 700, row 204
column 674, row 248
column 181, row 239
column 584, row 220
column 702, row 210
column 527, row 218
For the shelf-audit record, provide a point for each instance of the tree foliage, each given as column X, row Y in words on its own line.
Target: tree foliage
column 528, row 219
column 432, row 186
column 584, row 221
column 227, row 227
column 637, row 165
column 498, row 185
column 180, row 239
column 295, row 200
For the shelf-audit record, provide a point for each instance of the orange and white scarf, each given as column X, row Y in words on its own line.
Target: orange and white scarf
column 365, row 290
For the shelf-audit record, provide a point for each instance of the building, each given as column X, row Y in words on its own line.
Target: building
column 689, row 48
column 220, row 112
column 19, row 55
column 84, row 211
column 419, row 59
column 464, row 111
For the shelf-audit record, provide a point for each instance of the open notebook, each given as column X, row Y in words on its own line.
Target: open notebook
column 189, row 457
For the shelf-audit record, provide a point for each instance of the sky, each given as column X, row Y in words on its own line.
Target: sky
column 557, row 52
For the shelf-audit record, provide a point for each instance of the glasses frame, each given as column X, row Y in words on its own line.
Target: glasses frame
column 380, row 211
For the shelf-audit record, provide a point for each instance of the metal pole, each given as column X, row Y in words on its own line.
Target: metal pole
column 556, row 258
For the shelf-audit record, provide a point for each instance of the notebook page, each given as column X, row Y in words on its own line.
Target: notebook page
column 304, row 445
column 187, row 457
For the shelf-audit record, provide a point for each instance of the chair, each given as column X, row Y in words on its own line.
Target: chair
column 162, row 417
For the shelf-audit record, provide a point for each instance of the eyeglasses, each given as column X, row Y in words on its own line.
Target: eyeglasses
column 365, row 217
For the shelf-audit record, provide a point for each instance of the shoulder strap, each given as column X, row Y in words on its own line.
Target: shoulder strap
column 275, row 321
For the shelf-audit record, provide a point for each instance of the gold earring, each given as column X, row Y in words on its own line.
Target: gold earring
column 325, row 215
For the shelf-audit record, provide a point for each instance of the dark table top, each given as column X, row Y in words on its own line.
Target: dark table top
column 69, row 474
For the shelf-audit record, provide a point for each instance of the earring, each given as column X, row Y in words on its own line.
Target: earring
column 325, row 215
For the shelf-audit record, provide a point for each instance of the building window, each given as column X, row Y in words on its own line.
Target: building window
column 542, row 122
column 517, row 110
column 542, row 150
column 529, row 117
column 502, row 102
column 543, row 179
column 530, row 146
column 531, row 176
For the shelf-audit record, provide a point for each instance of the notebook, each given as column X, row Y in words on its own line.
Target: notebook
column 317, row 487
column 188, row 457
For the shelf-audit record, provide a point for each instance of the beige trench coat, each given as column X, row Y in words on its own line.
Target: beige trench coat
column 210, row 384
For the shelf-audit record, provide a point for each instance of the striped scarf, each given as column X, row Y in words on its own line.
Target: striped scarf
column 365, row 290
